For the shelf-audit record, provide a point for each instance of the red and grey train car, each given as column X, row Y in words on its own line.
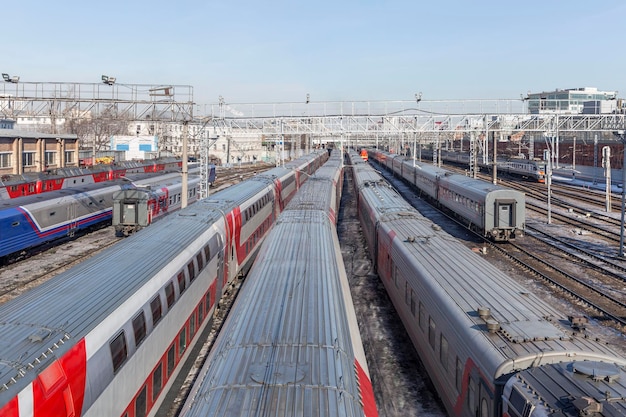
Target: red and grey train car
column 109, row 336
column 15, row 186
column 291, row 344
column 490, row 347
column 496, row 212
column 30, row 221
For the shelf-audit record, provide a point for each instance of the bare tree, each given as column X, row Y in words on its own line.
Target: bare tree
column 95, row 131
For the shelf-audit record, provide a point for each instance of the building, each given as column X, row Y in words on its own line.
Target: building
column 25, row 151
column 136, row 147
column 588, row 100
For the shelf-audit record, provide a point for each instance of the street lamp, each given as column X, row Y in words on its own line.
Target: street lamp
column 620, row 134
column 7, row 78
column 108, row 80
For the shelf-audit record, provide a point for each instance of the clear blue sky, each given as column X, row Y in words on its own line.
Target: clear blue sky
column 277, row 51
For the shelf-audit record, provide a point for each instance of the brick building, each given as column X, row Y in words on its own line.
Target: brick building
column 23, row 151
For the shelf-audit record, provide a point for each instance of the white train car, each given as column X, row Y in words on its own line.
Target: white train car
column 291, row 345
column 109, row 336
column 491, row 348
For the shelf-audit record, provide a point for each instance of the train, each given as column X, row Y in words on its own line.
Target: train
column 364, row 154
column 108, row 337
column 527, row 169
column 137, row 207
column 490, row 347
column 496, row 212
column 291, row 344
column 14, row 186
column 31, row 221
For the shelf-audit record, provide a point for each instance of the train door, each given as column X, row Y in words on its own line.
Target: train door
column 129, row 213
column 505, row 215
column 72, row 218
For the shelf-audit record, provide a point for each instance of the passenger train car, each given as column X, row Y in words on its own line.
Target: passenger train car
column 108, row 337
column 528, row 169
column 14, row 186
column 491, row 348
column 138, row 207
column 497, row 212
column 291, row 345
column 28, row 222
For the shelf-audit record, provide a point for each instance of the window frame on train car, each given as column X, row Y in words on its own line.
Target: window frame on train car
column 140, row 329
column 156, row 318
column 182, row 341
column 432, row 332
column 171, row 359
column 191, row 270
column 119, row 350
column 200, row 262
column 422, row 317
column 207, row 254
column 157, row 381
column 193, row 326
column 182, row 284
column 170, row 295
column 443, row 351
column 141, row 401
column 412, row 304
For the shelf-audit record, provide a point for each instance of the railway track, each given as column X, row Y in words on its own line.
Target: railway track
column 35, row 267
column 593, row 293
column 593, row 280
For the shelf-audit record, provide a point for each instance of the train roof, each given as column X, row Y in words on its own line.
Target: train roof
column 466, row 286
column 263, row 356
column 76, row 301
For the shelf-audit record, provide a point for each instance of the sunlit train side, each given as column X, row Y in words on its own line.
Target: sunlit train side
column 496, row 212
column 138, row 207
column 291, row 344
column 528, row 169
column 109, row 336
column 490, row 347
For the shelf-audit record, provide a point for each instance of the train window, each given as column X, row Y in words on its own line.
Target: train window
column 459, row 374
column 470, row 395
column 182, row 285
column 432, row 329
column 396, row 278
column 155, row 306
column 119, row 351
column 192, row 325
column 15, row 224
column 443, row 352
column 141, row 403
column 169, row 294
column 171, row 359
column 182, row 341
column 52, row 213
column 192, row 270
column 422, row 317
column 407, row 293
column 413, row 302
column 157, row 381
column 199, row 261
column 207, row 301
column 484, row 408
column 139, row 328
column 207, row 254
column 200, row 312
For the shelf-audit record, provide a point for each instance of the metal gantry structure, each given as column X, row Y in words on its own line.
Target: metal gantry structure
column 402, row 124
